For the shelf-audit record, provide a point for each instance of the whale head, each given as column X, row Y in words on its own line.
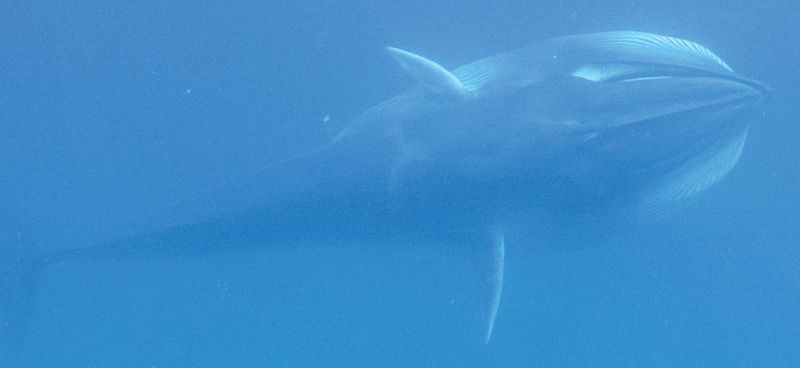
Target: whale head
column 615, row 116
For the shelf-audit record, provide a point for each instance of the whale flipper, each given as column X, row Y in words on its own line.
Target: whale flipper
column 495, row 281
column 431, row 75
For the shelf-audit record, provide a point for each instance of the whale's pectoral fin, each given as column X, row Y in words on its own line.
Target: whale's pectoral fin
column 495, row 284
column 428, row 73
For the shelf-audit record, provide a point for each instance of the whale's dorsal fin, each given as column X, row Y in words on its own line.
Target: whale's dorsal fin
column 433, row 76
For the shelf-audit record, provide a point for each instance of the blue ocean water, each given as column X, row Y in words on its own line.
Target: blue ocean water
column 111, row 110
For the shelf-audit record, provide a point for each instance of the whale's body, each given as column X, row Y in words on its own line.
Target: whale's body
column 615, row 122
column 626, row 121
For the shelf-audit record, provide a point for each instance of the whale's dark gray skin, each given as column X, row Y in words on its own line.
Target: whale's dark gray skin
column 610, row 120
column 614, row 122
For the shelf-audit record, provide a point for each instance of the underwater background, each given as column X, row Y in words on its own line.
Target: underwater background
column 110, row 109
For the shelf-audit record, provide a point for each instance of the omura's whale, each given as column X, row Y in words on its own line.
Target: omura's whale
column 614, row 122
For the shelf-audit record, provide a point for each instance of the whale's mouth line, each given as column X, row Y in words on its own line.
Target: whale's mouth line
column 751, row 83
column 626, row 72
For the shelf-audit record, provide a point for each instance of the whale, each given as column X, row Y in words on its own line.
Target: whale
column 622, row 126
